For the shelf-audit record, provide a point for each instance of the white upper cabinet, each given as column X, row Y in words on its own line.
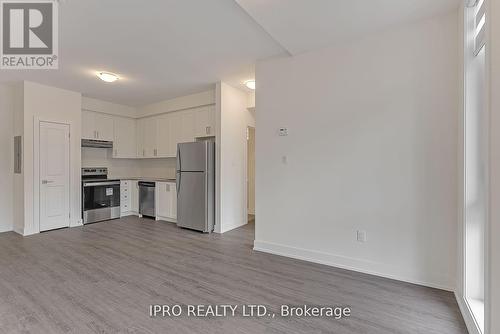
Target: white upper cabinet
column 125, row 138
column 104, row 127
column 147, row 137
column 97, row 126
column 163, row 137
column 188, row 126
column 88, row 125
column 174, row 128
column 175, row 134
column 205, row 122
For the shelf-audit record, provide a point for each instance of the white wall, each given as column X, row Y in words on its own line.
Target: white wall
column 6, row 157
column 18, row 209
column 122, row 168
column 50, row 104
column 251, row 100
column 372, row 146
column 162, row 168
column 99, row 157
column 233, row 118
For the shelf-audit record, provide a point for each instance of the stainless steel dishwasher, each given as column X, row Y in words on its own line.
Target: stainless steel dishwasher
column 147, row 199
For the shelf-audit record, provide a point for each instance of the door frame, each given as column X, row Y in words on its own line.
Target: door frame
column 246, row 168
column 36, row 170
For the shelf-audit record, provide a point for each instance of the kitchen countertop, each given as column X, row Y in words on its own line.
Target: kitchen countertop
column 147, row 179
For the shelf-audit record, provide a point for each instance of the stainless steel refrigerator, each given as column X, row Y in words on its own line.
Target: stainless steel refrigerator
column 195, row 179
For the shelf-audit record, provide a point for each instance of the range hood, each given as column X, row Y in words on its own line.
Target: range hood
column 97, row 143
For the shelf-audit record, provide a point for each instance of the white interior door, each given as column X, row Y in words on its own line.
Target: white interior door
column 54, row 176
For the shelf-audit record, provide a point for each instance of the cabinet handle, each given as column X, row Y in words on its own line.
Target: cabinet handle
column 143, row 152
column 207, row 130
column 156, row 152
column 116, row 152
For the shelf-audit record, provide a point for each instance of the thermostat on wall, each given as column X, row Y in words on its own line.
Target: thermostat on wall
column 283, row 131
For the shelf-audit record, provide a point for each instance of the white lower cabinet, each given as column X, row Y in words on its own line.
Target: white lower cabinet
column 125, row 198
column 166, row 201
column 134, row 197
column 129, row 198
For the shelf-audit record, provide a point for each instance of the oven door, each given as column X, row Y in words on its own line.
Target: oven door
column 101, row 201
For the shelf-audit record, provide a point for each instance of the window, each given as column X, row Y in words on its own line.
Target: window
column 476, row 159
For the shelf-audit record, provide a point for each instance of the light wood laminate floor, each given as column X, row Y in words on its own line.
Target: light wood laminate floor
column 101, row 278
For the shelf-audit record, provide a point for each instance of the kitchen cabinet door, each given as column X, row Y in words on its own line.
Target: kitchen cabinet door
column 188, row 126
column 125, row 138
column 163, row 137
column 205, row 122
column 125, row 198
column 104, row 127
column 147, row 137
column 134, row 197
column 166, row 201
column 140, row 138
column 211, row 121
column 88, row 125
column 175, row 133
column 150, row 137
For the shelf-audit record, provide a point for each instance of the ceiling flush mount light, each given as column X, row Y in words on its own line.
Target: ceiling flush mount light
column 107, row 76
column 250, row 84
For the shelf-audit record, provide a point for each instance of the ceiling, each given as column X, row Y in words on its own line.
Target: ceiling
column 167, row 48
column 160, row 48
column 304, row 25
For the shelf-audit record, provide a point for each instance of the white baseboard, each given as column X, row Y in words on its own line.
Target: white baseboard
column 27, row 233
column 18, row 231
column 6, row 229
column 470, row 322
column 77, row 223
column 343, row 262
column 128, row 213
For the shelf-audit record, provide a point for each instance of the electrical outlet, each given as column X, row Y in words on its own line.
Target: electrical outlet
column 361, row 236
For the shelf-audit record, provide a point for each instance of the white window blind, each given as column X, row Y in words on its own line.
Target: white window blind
column 480, row 26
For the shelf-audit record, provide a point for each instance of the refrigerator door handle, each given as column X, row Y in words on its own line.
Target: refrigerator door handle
column 179, row 168
column 179, row 162
column 178, row 183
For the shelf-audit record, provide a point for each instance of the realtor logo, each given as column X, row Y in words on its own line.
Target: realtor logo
column 29, row 34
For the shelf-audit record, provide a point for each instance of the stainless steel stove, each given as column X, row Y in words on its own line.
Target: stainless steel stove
column 100, row 196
